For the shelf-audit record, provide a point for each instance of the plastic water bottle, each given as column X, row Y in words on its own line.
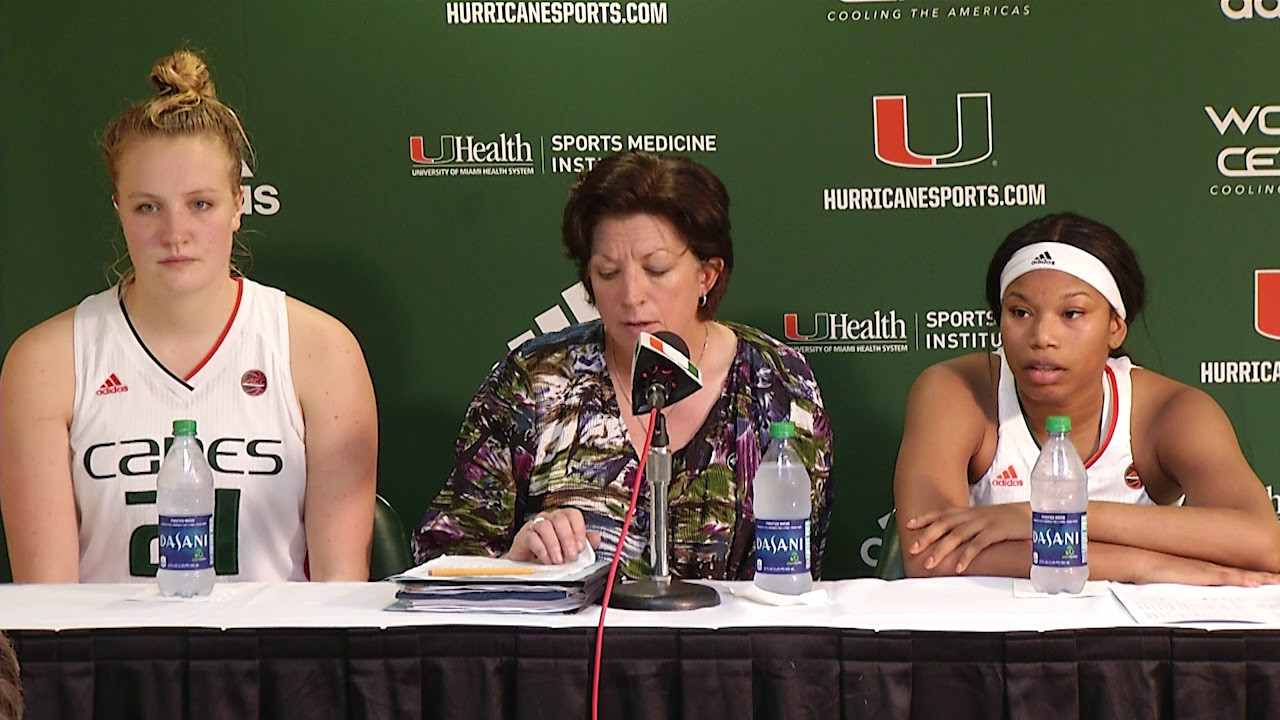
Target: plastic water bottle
column 184, row 500
column 782, row 506
column 1059, row 522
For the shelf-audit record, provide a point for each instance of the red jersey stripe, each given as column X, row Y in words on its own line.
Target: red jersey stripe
column 218, row 343
column 1111, row 423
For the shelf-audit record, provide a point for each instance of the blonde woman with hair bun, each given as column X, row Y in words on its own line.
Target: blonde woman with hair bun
column 279, row 389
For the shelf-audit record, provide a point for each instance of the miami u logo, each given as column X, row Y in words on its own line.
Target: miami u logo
column 973, row 133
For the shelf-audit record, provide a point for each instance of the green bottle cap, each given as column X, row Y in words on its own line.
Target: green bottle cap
column 1058, row 423
column 782, row 429
column 184, row 427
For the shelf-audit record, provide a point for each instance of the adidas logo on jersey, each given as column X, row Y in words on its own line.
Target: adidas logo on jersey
column 1008, row 478
column 1043, row 258
column 112, row 385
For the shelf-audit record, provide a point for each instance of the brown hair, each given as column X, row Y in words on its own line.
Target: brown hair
column 10, row 682
column 185, row 104
column 686, row 194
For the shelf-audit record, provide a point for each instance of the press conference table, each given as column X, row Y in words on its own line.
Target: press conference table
column 938, row 648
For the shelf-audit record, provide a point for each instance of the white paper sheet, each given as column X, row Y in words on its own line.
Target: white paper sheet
column 531, row 570
column 1178, row 604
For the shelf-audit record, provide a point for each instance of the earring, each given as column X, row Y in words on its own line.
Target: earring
column 702, row 301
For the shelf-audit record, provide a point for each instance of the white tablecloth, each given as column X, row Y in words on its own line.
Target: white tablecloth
column 944, row 604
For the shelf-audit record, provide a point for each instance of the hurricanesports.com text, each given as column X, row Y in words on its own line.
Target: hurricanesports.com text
column 557, row 12
column 933, row 196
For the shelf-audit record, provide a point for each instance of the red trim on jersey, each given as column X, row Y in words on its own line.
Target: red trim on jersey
column 218, row 343
column 1115, row 416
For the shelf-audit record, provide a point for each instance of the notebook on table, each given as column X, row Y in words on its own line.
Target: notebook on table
column 468, row 583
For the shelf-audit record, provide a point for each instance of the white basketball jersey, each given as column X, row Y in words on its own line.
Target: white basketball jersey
column 1112, row 476
column 248, row 421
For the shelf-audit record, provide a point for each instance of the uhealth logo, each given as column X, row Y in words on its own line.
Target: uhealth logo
column 841, row 327
column 838, row 332
column 1250, row 9
column 973, row 133
column 506, row 154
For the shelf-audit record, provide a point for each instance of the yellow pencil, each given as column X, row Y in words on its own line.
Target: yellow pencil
column 464, row 572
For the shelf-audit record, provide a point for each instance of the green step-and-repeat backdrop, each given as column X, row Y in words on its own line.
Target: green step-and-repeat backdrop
column 414, row 158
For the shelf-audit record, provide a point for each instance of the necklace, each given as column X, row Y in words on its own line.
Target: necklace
column 622, row 386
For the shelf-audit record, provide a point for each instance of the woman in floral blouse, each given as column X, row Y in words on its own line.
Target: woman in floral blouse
column 548, row 452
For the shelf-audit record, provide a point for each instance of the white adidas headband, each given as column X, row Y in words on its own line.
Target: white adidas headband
column 1064, row 258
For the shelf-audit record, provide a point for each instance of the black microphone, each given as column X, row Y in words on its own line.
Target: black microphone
column 661, row 373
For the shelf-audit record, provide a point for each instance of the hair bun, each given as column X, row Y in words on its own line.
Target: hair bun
column 183, row 73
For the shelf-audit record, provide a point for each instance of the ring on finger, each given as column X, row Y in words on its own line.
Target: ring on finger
column 535, row 521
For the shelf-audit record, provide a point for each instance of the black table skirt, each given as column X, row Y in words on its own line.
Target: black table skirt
column 505, row 672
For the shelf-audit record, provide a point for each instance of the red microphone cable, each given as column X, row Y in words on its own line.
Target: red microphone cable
column 613, row 567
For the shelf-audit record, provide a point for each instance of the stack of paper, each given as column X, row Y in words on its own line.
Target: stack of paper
column 463, row 583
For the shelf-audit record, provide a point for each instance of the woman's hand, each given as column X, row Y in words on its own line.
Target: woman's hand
column 962, row 533
column 553, row 538
column 1186, row 571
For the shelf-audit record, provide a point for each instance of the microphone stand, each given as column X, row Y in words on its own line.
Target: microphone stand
column 662, row 591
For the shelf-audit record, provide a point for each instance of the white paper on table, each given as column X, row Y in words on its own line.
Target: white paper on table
column 764, row 597
column 1174, row 604
column 585, row 559
column 151, row 593
column 1022, row 588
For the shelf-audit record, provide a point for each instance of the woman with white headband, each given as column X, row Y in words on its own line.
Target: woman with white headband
column 1172, row 498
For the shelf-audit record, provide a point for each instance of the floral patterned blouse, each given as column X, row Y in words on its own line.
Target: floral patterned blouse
column 545, row 431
